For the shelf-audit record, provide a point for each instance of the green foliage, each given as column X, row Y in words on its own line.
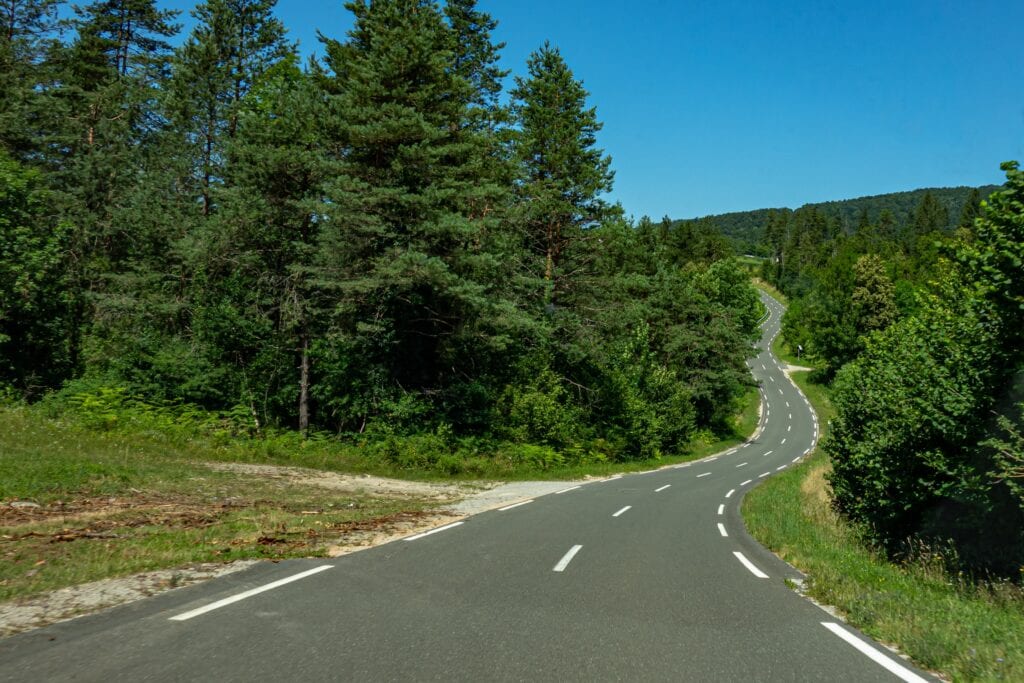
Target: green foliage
column 34, row 301
column 910, row 444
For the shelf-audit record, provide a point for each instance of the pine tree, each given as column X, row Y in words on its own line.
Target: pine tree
column 971, row 210
column 27, row 29
column 257, row 252
column 235, row 42
column 406, row 251
column 563, row 174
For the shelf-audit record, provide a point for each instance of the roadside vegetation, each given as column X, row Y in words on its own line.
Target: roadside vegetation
column 946, row 622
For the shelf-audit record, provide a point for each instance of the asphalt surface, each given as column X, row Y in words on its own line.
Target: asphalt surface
column 642, row 577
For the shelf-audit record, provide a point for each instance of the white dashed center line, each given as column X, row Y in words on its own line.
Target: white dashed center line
column 721, row 529
column 731, row 491
column 721, row 509
column 662, row 488
column 742, row 464
column 622, row 510
column 567, row 558
column 703, row 475
column 744, row 483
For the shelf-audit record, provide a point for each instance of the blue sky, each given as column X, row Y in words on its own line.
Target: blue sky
column 725, row 105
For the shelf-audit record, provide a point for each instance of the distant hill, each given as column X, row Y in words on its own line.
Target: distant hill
column 746, row 228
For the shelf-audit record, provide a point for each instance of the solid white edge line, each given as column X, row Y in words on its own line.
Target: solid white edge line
column 514, row 505
column 721, row 529
column 662, row 488
column 622, row 510
column 571, row 488
column 703, row 475
column 434, row 531
column 721, row 509
column 749, row 565
column 731, row 491
column 567, row 558
column 249, row 593
column 889, row 665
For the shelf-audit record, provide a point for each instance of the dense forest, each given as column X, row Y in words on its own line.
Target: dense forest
column 746, row 229
column 917, row 324
column 371, row 246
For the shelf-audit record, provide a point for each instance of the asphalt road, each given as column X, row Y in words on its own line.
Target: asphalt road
column 642, row 577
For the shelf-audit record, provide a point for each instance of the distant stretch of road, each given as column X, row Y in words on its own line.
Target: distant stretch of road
column 640, row 577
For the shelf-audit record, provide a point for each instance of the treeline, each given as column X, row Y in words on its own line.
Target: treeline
column 745, row 230
column 919, row 328
column 371, row 244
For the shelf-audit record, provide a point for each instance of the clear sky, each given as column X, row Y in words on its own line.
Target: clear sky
column 712, row 106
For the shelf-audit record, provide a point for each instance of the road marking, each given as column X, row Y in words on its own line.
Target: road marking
column 780, row 391
column 763, row 475
column 564, row 562
column 787, row 405
column 744, row 483
column 731, row 491
column 721, row 509
column 889, row 665
column 249, row 593
column 721, row 529
column 742, row 464
column 789, row 428
column 571, row 488
column 780, row 468
column 768, row 452
column 703, row 475
column 514, row 505
column 712, row 459
column 749, row 565
column 622, row 510
column 796, row 459
column 662, row 488
column 434, row 531
column 807, row 451
column 772, row 378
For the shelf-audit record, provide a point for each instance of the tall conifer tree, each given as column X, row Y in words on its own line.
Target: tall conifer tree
column 563, row 172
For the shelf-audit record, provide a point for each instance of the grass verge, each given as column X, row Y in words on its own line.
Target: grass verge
column 966, row 632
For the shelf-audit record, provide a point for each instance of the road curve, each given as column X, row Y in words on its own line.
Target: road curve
column 647, row 576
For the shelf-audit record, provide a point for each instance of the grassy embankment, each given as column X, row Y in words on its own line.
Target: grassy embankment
column 965, row 631
column 137, row 496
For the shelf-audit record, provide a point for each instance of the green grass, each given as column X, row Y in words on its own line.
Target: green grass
column 964, row 631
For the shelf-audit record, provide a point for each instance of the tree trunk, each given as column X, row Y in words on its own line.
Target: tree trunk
column 304, row 388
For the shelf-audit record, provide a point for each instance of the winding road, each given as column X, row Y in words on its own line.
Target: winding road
column 647, row 576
